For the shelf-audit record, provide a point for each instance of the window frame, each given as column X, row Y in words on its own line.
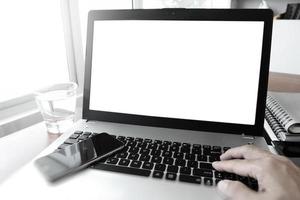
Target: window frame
column 21, row 112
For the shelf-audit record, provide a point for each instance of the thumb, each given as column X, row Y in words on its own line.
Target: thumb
column 235, row 190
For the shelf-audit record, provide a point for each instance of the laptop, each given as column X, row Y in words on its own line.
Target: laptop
column 179, row 87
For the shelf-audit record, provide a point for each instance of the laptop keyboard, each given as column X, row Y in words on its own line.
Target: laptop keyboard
column 168, row 160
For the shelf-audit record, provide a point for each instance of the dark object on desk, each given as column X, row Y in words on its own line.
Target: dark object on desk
column 290, row 149
column 74, row 157
column 292, row 11
column 284, row 117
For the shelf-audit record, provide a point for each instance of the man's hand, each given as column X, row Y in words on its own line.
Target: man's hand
column 277, row 176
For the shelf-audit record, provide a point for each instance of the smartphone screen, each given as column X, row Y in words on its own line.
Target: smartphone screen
column 78, row 156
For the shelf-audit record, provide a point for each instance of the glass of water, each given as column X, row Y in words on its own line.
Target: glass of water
column 57, row 104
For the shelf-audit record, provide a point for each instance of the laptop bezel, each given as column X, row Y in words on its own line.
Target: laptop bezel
column 264, row 15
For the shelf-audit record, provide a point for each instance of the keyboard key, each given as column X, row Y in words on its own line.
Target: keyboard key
column 147, row 140
column 213, row 158
column 208, row 181
column 134, row 150
column 126, row 170
column 202, row 157
column 74, row 136
column 152, row 146
column 171, row 176
column 145, row 151
column 87, row 133
column 185, row 150
column 192, row 163
column 155, row 152
column 167, row 143
column 163, row 147
column 168, row 160
column 218, row 175
column 178, row 155
column 142, row 145
column 144, row 157
column 147, row 165
column 158, row 174
column 136, row 164
column 176, row 144
column 83, row 137
column 133, row 156
column 121, row 138
column 139, row 139
column 185, row 170
column 112, row 161
column 197, row 146
column 78, row 132
column 70, row 141
column 167, row 154
column 124, row 162
column 196, row 150
column 229, row 176
column 156, row 159
column 174, row 148
column 160, row 167
column 157, row 142
column 205, row 165
column 122, row 155
column 190, row 179
column 190, row 156
column 172, row 169
column 203, row 173
column 131, row 143
column 216, row 149
column 180, row 162
column 130, row 139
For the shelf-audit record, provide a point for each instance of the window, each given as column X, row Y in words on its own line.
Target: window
column 33, row 53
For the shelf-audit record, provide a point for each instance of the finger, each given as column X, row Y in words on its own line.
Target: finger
column 246, row 151
column 236, row 190
column 240, row 167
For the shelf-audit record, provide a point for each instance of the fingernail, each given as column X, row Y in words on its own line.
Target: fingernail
column 215, row 163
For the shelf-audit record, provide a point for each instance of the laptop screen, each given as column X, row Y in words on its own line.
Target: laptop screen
column 195, row 70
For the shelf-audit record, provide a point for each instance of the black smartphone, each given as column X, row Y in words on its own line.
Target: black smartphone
column 77, row 156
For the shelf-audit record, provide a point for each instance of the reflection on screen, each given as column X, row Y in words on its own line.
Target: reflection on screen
column 199, row 70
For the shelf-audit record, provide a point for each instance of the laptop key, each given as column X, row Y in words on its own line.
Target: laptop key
column 167, row 142
column 190, row 156
column 174, row 148
column 168, row 160
column 171, row 176
column 218, row 175
column 144, row 157
column 70, row 141
column 112, row 161
column 205, row 165
column 157, row 142
column 134, row 150
column 167, row 154
column 130, row 139
column 180, row 162
column 192, row 163
column 155, row 152
column 203, row 173
column 124, row 162
column 78, row 132
column 163, row 147
column 122, row 155
column 158, row 174
column 139, row 139
column 136, row 164
column 172, row 169
column 160, row 167
column 74, row 136
column 202, row 157
column 147, row 165
column 126, row 170
column 83, row 137
column 144, row 151
column 190, row 179
column 208, row 181
column 87, row 133
column 147, row 140
column 156, row 159
column 185, row 170
column 178, row 155
column 133, row 156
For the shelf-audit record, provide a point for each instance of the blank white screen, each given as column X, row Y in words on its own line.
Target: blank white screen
column 199, row 70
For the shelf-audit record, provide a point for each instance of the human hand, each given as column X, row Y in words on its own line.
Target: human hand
column 277, row 176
